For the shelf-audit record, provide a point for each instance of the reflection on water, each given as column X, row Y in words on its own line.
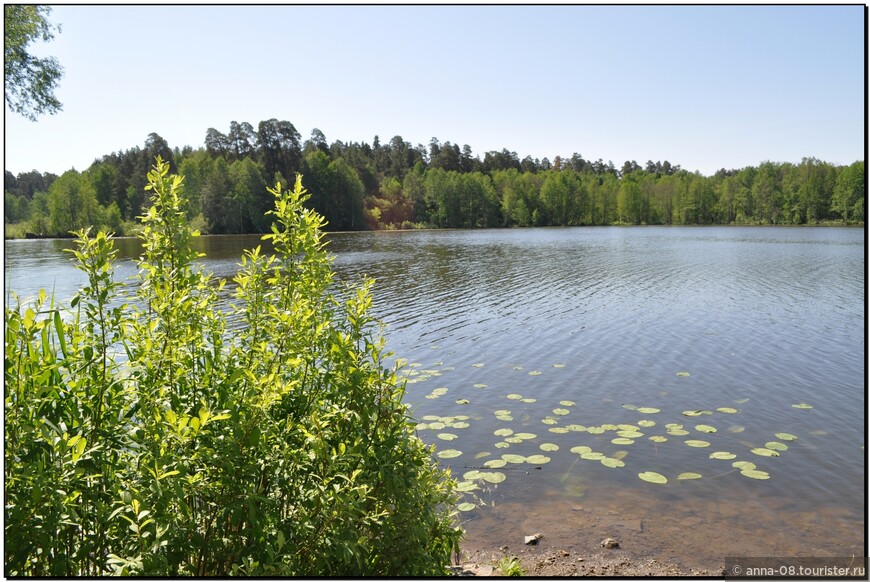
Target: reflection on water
column 524, row 320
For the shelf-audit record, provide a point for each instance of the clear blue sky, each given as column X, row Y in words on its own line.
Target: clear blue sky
column 705, row 87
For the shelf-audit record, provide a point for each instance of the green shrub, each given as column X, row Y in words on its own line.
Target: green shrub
column 143, row 436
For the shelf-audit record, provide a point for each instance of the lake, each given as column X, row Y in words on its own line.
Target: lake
column 629, row 342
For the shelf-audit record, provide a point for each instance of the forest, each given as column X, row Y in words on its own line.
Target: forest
column 394, row 185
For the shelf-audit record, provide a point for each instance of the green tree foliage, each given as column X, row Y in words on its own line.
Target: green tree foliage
column 145, row 437
column 849, row 193
column 29, row 81
column 397, row 185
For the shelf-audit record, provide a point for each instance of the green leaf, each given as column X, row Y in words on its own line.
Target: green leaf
column 765, row 452
column 511, row 458
column 688, row 475
column 754, row 474
column 492, row 477
column 697, row 443
column 653, row 477
column 648, row 410
column 784, row 436
column 448, row 453
column 705, row 428
column 465, row 506
column 537, row 459
column 723, row 455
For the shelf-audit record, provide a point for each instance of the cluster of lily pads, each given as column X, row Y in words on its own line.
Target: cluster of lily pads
column 490, row 473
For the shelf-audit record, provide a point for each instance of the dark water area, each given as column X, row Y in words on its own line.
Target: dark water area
column 564, row 333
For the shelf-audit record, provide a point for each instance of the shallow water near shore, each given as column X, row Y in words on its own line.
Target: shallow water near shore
column 634, row 343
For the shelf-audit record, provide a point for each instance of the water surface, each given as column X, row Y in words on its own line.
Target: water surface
column 760, row 318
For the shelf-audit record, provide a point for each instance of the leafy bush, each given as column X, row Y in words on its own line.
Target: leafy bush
column 144, row 436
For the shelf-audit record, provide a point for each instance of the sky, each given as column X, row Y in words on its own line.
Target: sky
column 705, row 87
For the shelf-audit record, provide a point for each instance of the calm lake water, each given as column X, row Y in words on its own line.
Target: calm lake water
column 564, row 334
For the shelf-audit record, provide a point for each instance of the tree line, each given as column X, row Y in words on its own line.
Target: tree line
column 359, row 186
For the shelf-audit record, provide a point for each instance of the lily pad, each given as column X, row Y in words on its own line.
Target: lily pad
column 622, row 441
column 723, row 455
column 576, row 427
column 673, row 425
column 610, row 426
column 592, row 456
column 581, row 449
column 683, row 374
column 697, row 443
column 514, row 396
column 421, row 426
column 693, row 412
column 447, row 436
column 765, row 452
column 755, row 474
column 482, row 454
column 510, row 458
column 463, row 401
column 678, row 432
column 495, row 463
column 646, row 423
column 479, row 385
column 776, row 446
column 525, row 435
column 514, row 440
column 478, row 365
column 471, row 475
column 502, row 412
column 648, row 410
column 466, row 486
column 535, row 373
column 658, row 439
column 705, row 428
column 595, row 430
column 802, row 405
column 549, row 447
column 429, row 417
column 629, row 406
column 466, row 506
column 528, row 400
column 448, row 453
column 688, row 475
column 612, row 463
column 550, row 420
column 743, row 465
column 727, row 410
column 784, row 436
column 501, row 445
column 461, row 424
column 504, row 417
column 561, row 411
column 653, row 477
column 629, row 434
column 558, row 365
column 559, row 429
column 492, row 477
column 503, row 432
column 537, row 459
column 437, row 425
